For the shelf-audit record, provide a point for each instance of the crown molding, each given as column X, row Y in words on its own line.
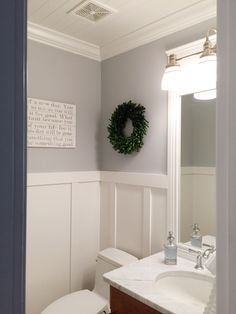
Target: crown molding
column 62, row 41
column 181, row 20
column 178, row 21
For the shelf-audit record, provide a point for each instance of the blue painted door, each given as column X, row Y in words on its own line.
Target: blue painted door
column 12, row 155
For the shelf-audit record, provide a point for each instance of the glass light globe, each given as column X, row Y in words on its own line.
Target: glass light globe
column 205, row 95
column 171, row 78
column 206, row 73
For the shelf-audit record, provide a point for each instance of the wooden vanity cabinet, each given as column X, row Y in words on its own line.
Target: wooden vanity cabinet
column 122, row 303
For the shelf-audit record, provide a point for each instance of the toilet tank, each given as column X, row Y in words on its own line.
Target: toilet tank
column 108, row 260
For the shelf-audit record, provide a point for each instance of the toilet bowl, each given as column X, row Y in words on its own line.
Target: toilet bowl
column 96, row 301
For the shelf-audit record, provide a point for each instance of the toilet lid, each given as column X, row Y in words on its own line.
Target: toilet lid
column 81, row 302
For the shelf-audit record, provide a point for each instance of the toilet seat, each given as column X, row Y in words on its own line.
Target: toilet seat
column 80, row 302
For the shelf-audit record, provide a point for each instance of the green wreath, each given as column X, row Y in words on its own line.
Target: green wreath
column 133, row 143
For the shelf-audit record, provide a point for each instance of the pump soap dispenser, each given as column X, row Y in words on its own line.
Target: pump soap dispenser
column 196, row 237
column 170, row 250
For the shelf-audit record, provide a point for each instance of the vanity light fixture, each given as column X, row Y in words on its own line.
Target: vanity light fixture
column 205, row 71
column 172, row 74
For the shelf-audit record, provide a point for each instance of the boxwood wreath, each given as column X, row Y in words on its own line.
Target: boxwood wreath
column 133, row 143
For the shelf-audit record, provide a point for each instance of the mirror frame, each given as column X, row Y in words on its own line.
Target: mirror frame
column 174, row 138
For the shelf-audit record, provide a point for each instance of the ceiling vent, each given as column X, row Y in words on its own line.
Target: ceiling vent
column 93, row 10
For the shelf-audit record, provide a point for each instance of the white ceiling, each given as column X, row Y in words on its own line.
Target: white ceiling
column 133, row 17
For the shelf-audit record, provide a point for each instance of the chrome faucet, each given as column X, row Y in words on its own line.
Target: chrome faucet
column 200, row 255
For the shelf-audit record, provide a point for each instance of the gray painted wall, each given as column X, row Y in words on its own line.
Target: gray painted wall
column 137, row 75
column 61, row 76
column 198, row 132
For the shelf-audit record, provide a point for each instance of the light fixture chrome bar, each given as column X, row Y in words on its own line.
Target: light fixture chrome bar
column 172, row 77
column 172, row 61
column 208, row 50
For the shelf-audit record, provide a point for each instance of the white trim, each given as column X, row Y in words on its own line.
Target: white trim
column 147, row 222
column 49, row 178
column 72, row 193
column 173, row 162
column 113, row 213
column 209, row 171
column 62, row 41
column 135, row 178
column 188, row 17
column 174, row 143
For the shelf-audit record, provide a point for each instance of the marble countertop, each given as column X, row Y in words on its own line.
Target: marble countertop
column 136, row 280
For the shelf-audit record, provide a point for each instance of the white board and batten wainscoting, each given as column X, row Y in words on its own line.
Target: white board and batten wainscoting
column 63, row 221
column 133, row 211
column 73, row 215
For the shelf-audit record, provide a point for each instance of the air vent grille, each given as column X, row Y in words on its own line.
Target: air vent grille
column 91, row 10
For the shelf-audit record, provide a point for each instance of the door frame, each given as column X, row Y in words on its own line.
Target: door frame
column 13, row 37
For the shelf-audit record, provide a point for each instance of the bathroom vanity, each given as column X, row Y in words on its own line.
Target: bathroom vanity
column 122, row 303
column 148, row 286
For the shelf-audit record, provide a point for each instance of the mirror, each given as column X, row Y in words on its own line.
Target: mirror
column 197, row 204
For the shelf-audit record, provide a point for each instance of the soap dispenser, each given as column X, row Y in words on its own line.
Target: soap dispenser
column 196, row 237
column 170, row 249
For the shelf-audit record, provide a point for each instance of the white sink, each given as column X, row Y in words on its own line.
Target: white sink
column 184, row 287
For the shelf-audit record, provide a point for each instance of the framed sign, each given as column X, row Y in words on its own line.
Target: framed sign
column 51, row 124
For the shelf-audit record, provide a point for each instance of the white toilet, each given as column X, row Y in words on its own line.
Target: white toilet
column 96, row 301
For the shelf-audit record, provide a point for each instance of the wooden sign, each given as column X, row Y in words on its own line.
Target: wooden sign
column 51, row 124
